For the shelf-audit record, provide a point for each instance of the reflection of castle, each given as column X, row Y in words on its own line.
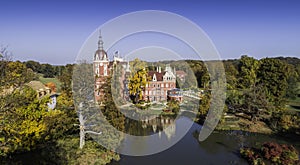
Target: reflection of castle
column 161, row 123
column 103, row 68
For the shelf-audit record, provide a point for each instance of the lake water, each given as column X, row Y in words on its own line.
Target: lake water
column 219, row 148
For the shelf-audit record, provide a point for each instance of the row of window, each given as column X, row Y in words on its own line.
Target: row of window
column 156, row 93
column 159, row 85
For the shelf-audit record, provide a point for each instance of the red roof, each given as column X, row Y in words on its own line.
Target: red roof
column 159, row 76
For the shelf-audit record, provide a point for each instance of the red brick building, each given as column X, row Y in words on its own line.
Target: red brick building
column 161, row 81
column 156, row 89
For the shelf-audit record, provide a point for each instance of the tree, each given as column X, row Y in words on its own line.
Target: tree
column 110, row 110
column 15, row 74
column 248, row 68
column 35, row 66
column 48, row 71
column 273, row 75
column 173, row 105
column 204, row 106
column 83, row 88
column 52, row 86
column 137, row 65
column 66, row 79
column 231, row 75
column 136, row 85
column 292, row 80
column 26, row 121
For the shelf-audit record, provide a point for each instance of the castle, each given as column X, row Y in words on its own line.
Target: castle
column 103, row 68
column 160, row 85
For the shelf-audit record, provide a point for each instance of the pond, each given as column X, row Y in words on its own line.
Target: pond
column 221, row 147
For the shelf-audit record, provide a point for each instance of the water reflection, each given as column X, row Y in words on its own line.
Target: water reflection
column 151, row 126
column 221, row 147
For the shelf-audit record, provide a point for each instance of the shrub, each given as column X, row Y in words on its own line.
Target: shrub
column 272, row 152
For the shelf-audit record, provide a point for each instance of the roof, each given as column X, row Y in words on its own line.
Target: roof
column 100, row 54
column 37, row 85
column 159, row 76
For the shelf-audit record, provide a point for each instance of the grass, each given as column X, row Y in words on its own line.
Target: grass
column 293, row 104
column 54, row 80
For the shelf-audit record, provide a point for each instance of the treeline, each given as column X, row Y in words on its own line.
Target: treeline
column 48, row 71
column 261, row 89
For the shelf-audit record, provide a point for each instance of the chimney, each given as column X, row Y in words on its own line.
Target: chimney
column 159, row 69
column 156, row 69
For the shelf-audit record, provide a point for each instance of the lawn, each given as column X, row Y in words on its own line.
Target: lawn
column 294, row 105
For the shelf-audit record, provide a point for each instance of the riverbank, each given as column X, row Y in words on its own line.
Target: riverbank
column 242, row 124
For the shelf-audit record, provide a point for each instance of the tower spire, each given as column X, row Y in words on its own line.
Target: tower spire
column 100, row 41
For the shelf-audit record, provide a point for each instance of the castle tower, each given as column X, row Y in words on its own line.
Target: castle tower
column 101, row 69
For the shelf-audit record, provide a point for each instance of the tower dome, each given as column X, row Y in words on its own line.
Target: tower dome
column 100, row 54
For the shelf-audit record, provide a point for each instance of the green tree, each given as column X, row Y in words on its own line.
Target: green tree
column 137, row 65
column 110, row 110
column 231, row 75
column 66, row 79
column 48, row 71
column 292, row 80
column 25, row 121
column 273, row 75
column 173, row 105
column 248, row 68
column 204, row 106
column 35, row 66
column 15, row 74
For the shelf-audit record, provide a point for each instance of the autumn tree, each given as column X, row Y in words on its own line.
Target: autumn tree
column 136, row 85
column 137, row 80
column 52, row 86
column 26, row 121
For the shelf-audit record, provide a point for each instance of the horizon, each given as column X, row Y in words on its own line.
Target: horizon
column 53, row 31
column 162, row 61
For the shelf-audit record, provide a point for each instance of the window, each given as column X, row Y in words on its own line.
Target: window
column 158, row 85
column 105, row 69
column 162, row 85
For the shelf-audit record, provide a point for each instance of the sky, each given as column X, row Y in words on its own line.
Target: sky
column 53, row 31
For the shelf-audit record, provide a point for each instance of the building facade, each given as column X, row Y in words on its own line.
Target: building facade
column 160, row 82
column 155, row 90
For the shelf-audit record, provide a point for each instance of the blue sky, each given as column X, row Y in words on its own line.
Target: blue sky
column 53, row 31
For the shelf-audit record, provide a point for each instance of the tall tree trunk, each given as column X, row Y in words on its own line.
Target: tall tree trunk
column 82, row 133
